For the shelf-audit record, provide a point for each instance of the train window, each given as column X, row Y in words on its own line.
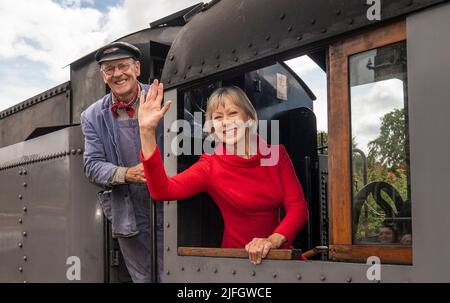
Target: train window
column 370, row 201
column 380, row 162
column 278, row 93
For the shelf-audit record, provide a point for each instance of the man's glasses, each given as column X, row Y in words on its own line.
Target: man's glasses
column 110, row 69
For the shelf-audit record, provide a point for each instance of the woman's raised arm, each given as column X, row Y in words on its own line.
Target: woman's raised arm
column 188, row 183
column 150, row 113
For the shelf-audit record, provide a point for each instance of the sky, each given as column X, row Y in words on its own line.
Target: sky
column 40, row 38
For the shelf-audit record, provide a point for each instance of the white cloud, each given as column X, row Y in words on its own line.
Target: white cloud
column 369, row 103
column 316, row 79
column 52, row 34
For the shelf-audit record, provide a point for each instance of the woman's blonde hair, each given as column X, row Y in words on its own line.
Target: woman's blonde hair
column 237, row 96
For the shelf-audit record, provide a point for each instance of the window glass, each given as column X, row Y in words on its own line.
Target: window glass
column 380, row 146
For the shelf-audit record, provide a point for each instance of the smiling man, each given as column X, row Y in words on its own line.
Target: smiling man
column 111, row 157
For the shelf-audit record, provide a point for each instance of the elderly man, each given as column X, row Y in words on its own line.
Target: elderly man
column 111, row 157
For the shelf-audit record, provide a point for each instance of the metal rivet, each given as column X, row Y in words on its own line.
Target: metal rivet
column 20, row 269
column 171, row 57
column 25, row 184
column 20, row 173
column 250, row 45
column 168, row 273
column 300, row 37
column 168, row 248
column 168, row 225
column 185, row 76
column 182, row 268
column 73, row 151
column 200, row 71
column 323, row 31
column 409, row 2
column 253, row 273
column 20, row 245
column 255, row 53
column 233, row 51
column 349, row 279
column 79, row 151
column 313, row 21
column 268, row 38
column 216, row 270
column 25, row 258
column 175, row 72
column 290, row 28
column 218, row 65
column 189, row 67
column 20, row 197
column 274, row 275
column 277, row 46
column 203, row 62
column 350, row 21
column 282, row 16
column 322, row 278
column 338, row 12
column 198, row 269
column 299, row 277
column 25, row 209
column 168, row 155
column 236, row 59
column 24, row 234
column 233, row 272
column 168, row 202
column 20, row 221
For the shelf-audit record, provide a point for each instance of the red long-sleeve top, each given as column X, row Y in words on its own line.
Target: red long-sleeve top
column 248, row 194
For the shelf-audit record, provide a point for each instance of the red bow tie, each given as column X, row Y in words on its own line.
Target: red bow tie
column 128, row 107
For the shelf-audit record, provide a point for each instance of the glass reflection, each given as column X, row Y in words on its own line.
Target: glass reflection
column 380, row 146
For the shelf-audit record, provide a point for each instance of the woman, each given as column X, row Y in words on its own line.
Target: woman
column 248, row 194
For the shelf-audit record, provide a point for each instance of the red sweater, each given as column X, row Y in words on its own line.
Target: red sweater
column 249, row 195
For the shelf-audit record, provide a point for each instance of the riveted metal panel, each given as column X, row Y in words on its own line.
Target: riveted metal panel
column 428, row 67
column 51, row 210
column 51, row 108
column 233, row 33
column 10, row 229
column 429, row 110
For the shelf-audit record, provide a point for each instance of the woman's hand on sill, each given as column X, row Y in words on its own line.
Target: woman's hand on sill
column 258, row 248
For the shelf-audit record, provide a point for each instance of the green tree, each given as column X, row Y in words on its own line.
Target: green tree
column 389, row 148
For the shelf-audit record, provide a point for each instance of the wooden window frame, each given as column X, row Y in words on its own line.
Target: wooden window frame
column 339, row 147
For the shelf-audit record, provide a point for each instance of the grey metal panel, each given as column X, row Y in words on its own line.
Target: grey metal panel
column 429, row 110
column 62, row 216
column 88, row 87
column 10, row 230
column 233, row 33
column 428, row 68
column 51, row 108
